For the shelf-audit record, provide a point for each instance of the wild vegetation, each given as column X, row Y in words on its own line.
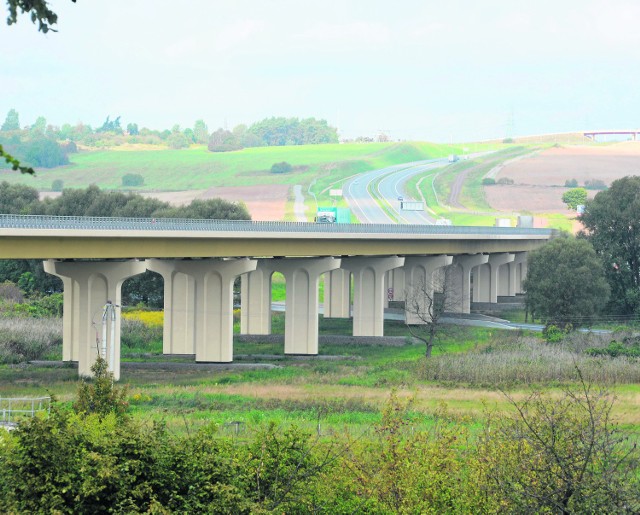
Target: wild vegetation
column 385, row 430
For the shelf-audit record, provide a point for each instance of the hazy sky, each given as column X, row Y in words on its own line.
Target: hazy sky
column 417, row 69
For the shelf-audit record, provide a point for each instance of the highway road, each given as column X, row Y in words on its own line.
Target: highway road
column 366, row 192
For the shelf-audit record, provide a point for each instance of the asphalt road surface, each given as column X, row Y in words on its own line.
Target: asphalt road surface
column 366, row 192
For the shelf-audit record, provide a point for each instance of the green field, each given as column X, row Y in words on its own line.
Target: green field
column 349, row 382
column 197, row 168
column 317, row 168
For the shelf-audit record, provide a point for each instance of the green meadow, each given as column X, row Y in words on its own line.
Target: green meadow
column 348, row 383
column 197, row 168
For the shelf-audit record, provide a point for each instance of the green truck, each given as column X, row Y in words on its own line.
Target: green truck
column 333, row 215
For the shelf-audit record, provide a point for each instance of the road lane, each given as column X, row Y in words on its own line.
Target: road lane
column 387, row 185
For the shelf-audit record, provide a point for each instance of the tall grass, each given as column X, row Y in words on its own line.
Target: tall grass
column 27, row 339
column 526, row 360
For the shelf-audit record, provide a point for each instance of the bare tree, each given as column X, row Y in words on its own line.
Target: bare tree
column 426, row 301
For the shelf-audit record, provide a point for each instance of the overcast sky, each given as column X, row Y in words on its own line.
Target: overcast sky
column 437, row 70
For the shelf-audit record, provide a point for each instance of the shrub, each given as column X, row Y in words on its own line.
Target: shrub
column 282, row 167
column 505, row 180
column 132, row 179
column 10, row 292
column 224, row 147
column 57, row 185
column 574, row 197
column 488, row 181
column 561, row 455
column 595, row 184
column 508, row 140
column 136, row 334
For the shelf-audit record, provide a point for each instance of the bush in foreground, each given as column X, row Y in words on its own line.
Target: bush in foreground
column 549, row 454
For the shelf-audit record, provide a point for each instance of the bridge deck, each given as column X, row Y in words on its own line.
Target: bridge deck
column 62, row 237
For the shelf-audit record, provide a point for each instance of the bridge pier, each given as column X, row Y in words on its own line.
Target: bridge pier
column 89, row 286
column 486, row 277
column 368, row 291
column 302, row 276
column 508, row 283
column 255, row 300
column 213, row 304
column 396, row 281
column 178, row 333
column 337, row 294
column 460, row 279
column 419, row 270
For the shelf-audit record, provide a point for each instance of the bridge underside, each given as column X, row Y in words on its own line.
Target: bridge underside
column 364, row 267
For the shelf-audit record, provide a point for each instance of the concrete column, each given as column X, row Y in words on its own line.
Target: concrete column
column 368, row 292
column 301, row 306
column 255, row 300
column 486, row 277
column 178, row 334
column 70, row 319
column 497, row 261
column 337, row 294
column 521, row 274
column 461, row 278
column 92, row 284
column 396, row 280
column 213, row 304
column 420, row 285
column 481, row 283
column 509, row 283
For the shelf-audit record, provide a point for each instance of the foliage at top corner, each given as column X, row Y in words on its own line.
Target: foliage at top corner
column 37, row 9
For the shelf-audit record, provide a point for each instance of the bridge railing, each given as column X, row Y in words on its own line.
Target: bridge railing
column 182, row 224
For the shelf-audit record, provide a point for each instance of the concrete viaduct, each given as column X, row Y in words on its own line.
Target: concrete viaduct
column 200, row 259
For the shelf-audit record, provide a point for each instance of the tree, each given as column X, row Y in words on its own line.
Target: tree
column 43, row 152
column 223, row 141
column 177, row 140
column 201, row 132
column 17, row 199
column 282, row 167
column 11, row 122
column 39, row 127
column 39, row 11
column 100, row 395
column 111, row 126
column 132, row 129
column 612, row 226
column 426, row 301
column 565, row 282
column 15, row 163
column 132, row 179
column 571, row 183
column 574, row 197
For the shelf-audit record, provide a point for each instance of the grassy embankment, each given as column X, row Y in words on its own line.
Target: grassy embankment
column 345, row 387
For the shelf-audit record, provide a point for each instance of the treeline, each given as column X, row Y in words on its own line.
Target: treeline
column 45, row 145
column 92, row 201
column 549, row 454
column 35, row 146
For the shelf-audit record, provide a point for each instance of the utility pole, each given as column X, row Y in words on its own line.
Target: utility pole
column 107, row 350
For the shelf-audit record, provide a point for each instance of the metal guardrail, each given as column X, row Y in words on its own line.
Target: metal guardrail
column 14, row 409
column 181, row 224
